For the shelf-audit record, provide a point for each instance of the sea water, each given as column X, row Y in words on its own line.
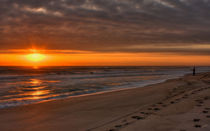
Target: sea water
column 26, row 85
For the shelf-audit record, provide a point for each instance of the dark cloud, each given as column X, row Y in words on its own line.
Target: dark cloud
column 105, row 25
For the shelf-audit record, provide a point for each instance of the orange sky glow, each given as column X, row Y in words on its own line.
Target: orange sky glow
column 85, row 58
column 105, row 33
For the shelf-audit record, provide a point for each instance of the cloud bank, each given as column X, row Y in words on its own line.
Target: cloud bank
column 106, row 25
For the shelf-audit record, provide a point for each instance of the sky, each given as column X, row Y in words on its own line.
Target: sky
column 105, row 32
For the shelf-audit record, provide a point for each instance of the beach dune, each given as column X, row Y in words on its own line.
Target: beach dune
column 180, row 104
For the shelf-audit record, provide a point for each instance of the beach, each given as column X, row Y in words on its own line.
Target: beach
column 104, row 65
column 181, row 104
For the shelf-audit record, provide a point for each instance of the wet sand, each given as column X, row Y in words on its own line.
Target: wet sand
column 181, row 104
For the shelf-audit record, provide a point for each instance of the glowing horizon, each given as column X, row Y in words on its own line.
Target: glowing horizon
column 36, row 58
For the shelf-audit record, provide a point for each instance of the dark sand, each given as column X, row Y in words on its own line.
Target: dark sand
column 176, row 105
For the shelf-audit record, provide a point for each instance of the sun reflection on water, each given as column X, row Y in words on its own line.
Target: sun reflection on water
column 35, row 82
column 33, row 89
column 35, row 67
column 38, row 89
column 38, row 94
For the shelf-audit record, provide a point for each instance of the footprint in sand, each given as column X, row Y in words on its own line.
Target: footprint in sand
column 198, row 100
column 199, row 105
column 156, row 109
column 197, row 126
column 172, row 102
column 126, row 124
column 184, row 97
column 149, row 108
column 145, row 113
column 118, row 126
column 207, row 108
column 124, row 120
column 196, row 120
column 208, row 116
column 142, row 112
column 177, row 99
column 193, row 93
column 148, row 113
column 137, row 117
column 206, row 98
column 205, row 112
column 164, row 105
column 160, row 103
column 154, row 105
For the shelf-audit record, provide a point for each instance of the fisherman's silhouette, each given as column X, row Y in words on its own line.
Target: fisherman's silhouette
column 194, row 71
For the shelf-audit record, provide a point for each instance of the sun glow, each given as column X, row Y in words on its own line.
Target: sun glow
column 35, row 57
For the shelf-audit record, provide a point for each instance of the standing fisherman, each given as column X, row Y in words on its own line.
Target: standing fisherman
column 194, row 71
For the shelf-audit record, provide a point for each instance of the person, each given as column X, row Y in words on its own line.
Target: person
column 194, row 71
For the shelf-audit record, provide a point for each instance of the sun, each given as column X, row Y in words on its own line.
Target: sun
column 35, row 57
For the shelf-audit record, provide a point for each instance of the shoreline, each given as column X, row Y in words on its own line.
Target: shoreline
column 97, row 93
column 102, row 111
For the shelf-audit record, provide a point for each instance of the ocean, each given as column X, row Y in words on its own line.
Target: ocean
column 27, row 85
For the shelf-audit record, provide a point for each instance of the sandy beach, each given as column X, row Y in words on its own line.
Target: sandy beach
column 104, row 65
column 181, row 104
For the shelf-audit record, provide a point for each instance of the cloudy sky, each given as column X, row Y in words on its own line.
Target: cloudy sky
column 131, row 26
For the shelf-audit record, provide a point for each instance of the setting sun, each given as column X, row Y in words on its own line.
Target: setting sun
column 35, row 57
